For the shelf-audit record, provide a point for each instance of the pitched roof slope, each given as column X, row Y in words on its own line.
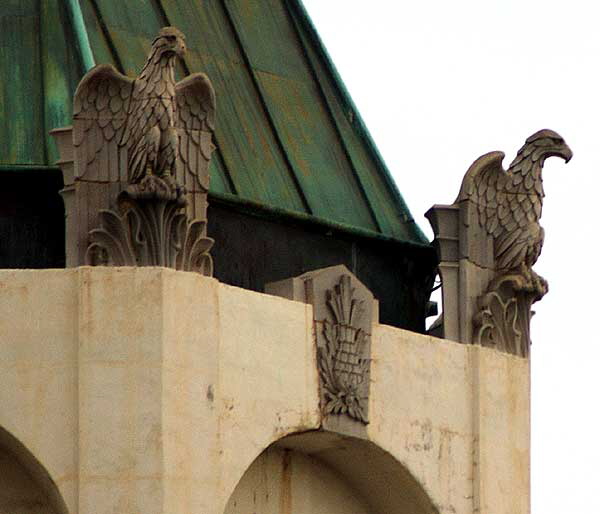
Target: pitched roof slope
column 288, row 135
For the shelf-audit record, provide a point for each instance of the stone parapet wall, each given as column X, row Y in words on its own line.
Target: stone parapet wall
column 153, row 391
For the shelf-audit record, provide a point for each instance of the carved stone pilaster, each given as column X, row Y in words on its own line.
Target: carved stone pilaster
column 343, row 311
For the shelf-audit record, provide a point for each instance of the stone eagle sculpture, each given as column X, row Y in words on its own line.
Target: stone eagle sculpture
column 142, row 149
column 509, row 203
column 159, row 123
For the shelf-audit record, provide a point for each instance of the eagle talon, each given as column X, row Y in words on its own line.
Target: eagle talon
column 170, row 181
column 540, row 285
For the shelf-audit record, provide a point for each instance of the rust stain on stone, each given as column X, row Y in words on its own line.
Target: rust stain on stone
column 285, row 498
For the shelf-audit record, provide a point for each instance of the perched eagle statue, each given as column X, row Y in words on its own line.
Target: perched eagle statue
column 509, row 203
column 150, row 125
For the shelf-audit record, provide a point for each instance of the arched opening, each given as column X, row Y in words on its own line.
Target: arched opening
column 326, row 473
column 25, row 486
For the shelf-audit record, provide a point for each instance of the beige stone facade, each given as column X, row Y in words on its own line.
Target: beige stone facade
column 147, row 390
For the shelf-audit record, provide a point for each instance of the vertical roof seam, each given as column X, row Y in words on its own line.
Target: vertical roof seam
column 265, row 107
column 107, row 37
column 362, row 128
column 332, row 119
column 165, row 17
column 83, row 41
column 45, row 155
column 268, row 120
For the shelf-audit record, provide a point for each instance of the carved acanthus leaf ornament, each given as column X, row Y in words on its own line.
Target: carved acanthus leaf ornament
column 150, row 230
column 504, row 314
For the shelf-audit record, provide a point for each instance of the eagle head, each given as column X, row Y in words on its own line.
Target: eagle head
column 169, row 41
column 548, row 143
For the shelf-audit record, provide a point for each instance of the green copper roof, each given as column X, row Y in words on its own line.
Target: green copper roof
column 288, row 136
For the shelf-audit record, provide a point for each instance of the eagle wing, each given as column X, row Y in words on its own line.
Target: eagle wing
column 484, row 184
column 100, row 110
column 506, row 207
column 522, row 237
column 195, row 122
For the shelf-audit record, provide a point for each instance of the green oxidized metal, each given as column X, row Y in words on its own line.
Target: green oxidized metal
column 288, row 136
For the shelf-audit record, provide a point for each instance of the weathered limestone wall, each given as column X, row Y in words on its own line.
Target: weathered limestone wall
column 457, row 416
column 38, row 369
column 149, row 390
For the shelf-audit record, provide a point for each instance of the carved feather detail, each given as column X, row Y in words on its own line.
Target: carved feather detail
column 150, row 124
column 100, row 112
column 509, row 203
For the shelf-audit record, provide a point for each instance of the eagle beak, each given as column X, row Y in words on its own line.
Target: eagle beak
column 567, row 153
column 180, row 49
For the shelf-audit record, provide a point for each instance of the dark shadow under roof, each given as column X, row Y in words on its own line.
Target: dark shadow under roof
column 288, row 136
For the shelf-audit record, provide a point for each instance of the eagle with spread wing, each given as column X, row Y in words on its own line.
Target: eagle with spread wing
column 149, row 125
column 509, row 203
